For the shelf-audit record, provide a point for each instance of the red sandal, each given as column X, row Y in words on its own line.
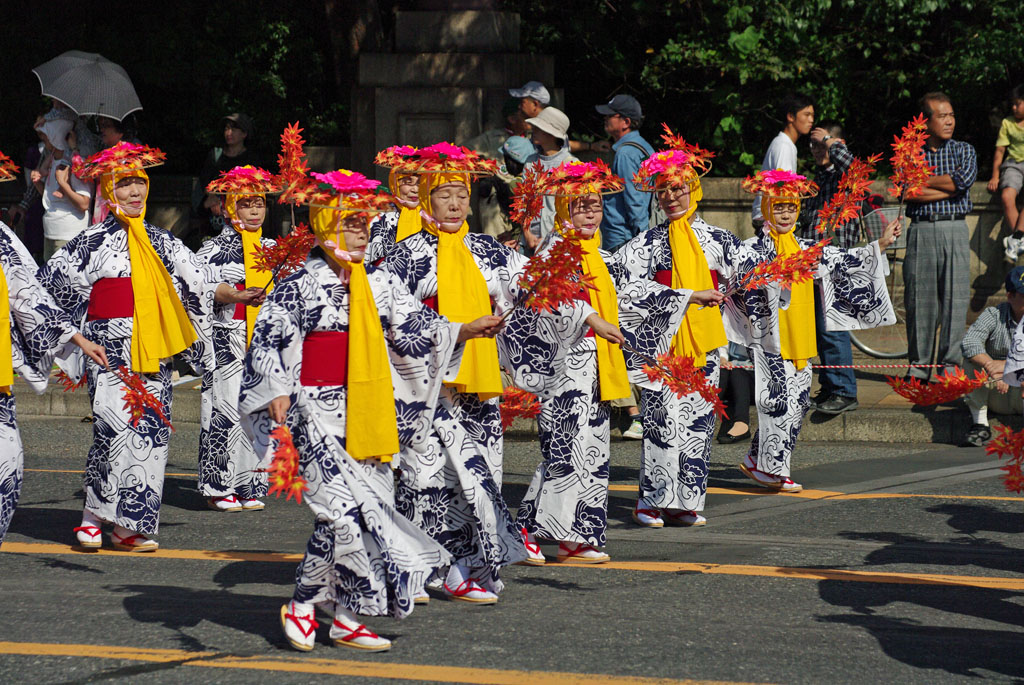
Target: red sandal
column 132, row 544
column 653, row 517
column 360, row 638
column 534, row 557
column 300, row 637
column 89, row 537
column 471, row 591
column 582, row 554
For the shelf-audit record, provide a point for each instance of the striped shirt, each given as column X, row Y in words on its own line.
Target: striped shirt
column 991, row 333
column 828, row 178
column 959, row 160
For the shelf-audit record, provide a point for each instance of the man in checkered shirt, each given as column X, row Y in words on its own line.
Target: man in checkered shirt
column 936, row 269
column 838, row 387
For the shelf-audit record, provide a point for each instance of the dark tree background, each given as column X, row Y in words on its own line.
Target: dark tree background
column 712, row 69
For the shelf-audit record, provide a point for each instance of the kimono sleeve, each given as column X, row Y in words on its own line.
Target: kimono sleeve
column 854, row 293
column 1013, row 371
column 637, row 256
column 196, row 291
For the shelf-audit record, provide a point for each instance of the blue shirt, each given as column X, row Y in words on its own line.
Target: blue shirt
column 959, row 160
column 626, row 214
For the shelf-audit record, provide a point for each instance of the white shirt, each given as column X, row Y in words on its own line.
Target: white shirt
column 63, row 220
column 781, row 155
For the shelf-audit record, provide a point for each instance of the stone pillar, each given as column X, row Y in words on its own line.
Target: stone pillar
column 445, row 78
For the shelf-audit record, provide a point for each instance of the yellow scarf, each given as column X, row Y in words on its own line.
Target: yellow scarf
column 462, row 296
column 160, row 327
column 371, row 425
column 702, row 330
column 254, row 278
column 7, row 353
column 796, row 322
column 409, row 222
column 611, row 365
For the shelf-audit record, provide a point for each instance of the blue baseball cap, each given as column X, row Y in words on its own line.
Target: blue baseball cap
column 1015, row 280
column 519, row 149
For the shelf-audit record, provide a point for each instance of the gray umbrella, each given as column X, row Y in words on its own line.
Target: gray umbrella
column 89, row 84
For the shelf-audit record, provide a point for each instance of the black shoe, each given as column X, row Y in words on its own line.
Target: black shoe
column 977, row 436
column 837, row 404
column 726, row 439
column 822, row 397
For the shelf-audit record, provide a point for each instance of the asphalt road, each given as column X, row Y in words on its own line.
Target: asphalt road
column 901, row 563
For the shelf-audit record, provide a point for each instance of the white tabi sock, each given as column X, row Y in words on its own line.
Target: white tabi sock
column 979, row 415
column 457, row 575
column 90, row 519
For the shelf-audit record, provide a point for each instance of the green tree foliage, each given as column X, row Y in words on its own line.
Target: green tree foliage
column 714, row 69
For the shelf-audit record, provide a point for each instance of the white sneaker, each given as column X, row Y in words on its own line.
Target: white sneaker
column 298, row 620
column 682, row 517
column 635, row 431
column 229, row 503
column 358, row 637
column 251, row 504
column 648, row 518
column 573, row 553
column 1013, row 245
column 534, row 557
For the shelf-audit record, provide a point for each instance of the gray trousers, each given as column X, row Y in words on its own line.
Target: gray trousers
column 936, row 280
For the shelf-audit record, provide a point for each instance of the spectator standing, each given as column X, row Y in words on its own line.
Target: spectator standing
column 486, row 214
column 626, row 214
column 797, row 112
column 533, row 97
column 985, row 347
column 1008, row 173
column 551, row 135
column 29, row 211
column 936, row 269
column 66, row 198
column 239, row 136
column 838, row 387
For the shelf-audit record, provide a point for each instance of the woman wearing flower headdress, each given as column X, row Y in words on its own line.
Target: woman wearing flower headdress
column 451, row 485
column 137, row 290
column 32, row 331
column 682, row 252
column 229, row 476
column 390, row 228
column 778, row 324
column 567, row 500
column 333, row 351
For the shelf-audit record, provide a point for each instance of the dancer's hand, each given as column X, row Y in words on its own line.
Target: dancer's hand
column 484, row 327
column 707, row 297
column 278, row 408
column 92, row 350
column 891, row 233
column 605, row 330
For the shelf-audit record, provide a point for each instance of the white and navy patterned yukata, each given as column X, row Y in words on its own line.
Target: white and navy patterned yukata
column 227, row 462
column 383, row 232
column 452, row 487
column 854, row 296
column 124, row 473
column 568, row 497
column 39, row 329
column 677, row 431
column 363, row 555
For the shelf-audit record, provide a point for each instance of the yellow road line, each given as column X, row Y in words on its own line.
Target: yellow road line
column 831, row 494
column 362, row 669
column 803, row 494
column 991, row 582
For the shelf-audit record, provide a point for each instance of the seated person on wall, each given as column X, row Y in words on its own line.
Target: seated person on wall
column 985, row 347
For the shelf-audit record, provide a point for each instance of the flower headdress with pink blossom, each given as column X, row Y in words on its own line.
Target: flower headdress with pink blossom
column 119, row 159
column 445, row 158
column 573, row 179
column 244, row 180
column 779, row 183
column 357, row 193
column 8, row 169
column 680, row 164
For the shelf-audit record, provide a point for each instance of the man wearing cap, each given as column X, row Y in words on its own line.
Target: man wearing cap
column 551, row 136
column 534, row 97
column 626, row 214
column 239, row 134
column 985, row 347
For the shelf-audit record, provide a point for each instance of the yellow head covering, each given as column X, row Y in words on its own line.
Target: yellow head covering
column 611, row 365
column 408, row 217
column 371, row 425
column 702, row 330
column 254, row 277
column 796, row 322
column 462, row 294
column 160, row 327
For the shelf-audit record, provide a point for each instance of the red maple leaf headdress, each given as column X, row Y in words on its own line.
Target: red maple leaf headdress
column 779, row 183
column 244, row 180
column 8, row 169
column 572, row 179
column 445, row 158
column 120, row 158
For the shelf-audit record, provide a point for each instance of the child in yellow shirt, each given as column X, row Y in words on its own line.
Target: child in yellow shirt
column 1008, row 172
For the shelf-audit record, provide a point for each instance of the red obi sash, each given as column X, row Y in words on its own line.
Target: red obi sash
column 325, row 358
column 239, row 308
column 111, row 298
column 664, row 276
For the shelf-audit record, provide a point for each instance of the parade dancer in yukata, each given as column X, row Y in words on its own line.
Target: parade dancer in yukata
column 137, row 290
column 32, row 331
column 387, row 229
column 567, row 500
column 778, row 324
column 682, row 252
column 452, row 486
column 332, row 350
column 229, row 473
